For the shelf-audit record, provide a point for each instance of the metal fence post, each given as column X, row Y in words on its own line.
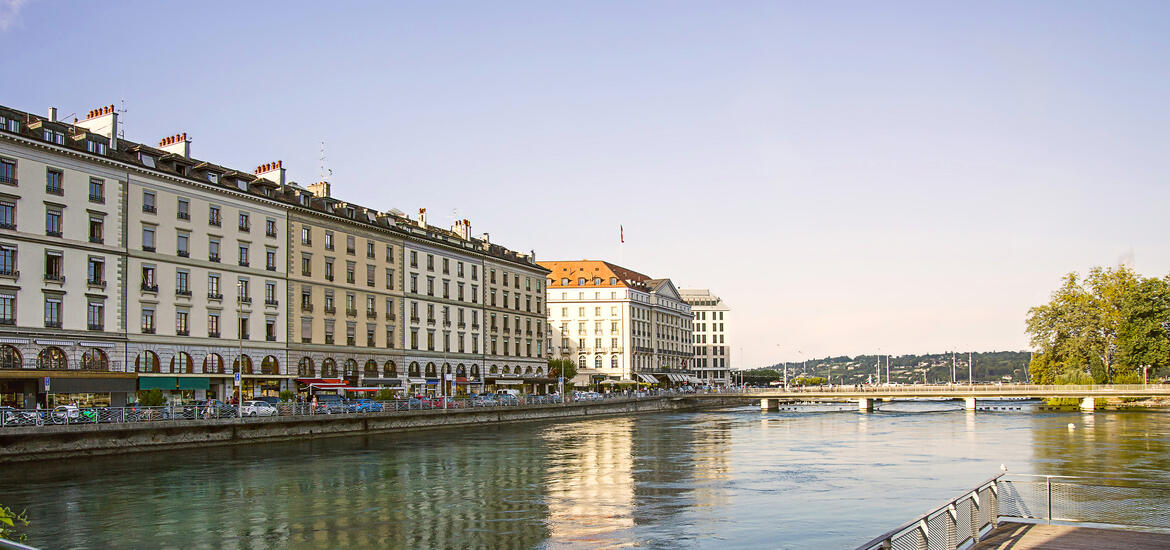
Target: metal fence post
column 993, row 497
column 1048, row 484
column 952, row 526
column 923, row 535
column 975, row 527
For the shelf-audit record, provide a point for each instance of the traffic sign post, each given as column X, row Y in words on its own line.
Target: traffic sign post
column 239, row 395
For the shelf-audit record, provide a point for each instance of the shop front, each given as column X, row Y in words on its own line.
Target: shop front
column 177, row 389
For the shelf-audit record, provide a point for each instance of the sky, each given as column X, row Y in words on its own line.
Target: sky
column 850, row 177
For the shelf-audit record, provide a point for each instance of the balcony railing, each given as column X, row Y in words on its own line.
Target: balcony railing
column 330, row 310
column 243, row 263
column 214, row 296
column 307, row 307
column 96, row 240
column 350, row 312
column 182, row 333
column 183, row 215
column 149, row 287
column 213, row 334
column 54, row 278
column 215, row 221
column 213, row 258
column 272, row 302
column 52, row 324
column 148, row 208
column 95, row 284
column 147, row 248
column 371, row 314
column 414, row 318
column 147, row 330
column 183, row 293
column 183, row 253
column 5, row 225
column 9, row 321
column 52, row 233
column 96, row 326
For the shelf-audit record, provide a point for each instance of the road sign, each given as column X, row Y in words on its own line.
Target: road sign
column 560, row 379
column 46, row 384
column 236, row 377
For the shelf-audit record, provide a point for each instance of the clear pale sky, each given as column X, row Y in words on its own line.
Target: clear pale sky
column 850, row 177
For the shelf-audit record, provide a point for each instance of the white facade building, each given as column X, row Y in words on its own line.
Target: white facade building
column 618, row 324
column 712, row 351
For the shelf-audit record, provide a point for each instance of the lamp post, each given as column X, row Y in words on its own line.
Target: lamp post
column 240, row 356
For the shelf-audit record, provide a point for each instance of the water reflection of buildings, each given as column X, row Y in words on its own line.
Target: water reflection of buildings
column 590, row 480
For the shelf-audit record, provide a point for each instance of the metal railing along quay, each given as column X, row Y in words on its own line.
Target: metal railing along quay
column 69, row 415
column 997, row 389
column 1100, row 501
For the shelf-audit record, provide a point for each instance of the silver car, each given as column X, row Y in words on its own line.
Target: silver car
column 258, row 408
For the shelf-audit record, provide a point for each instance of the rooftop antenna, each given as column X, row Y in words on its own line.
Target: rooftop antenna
column 326, row 172
column 122, row 127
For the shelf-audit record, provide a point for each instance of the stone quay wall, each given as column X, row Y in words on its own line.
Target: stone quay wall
column 19, row 444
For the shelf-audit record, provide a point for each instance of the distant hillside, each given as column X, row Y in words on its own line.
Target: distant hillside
column 995, row 366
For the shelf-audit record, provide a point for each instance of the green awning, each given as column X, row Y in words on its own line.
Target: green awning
column 157, row 382
column 194, row 383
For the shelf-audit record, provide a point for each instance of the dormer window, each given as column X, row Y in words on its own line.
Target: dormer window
column 147, row 160
column 10, row 124
column 242, row 184
column 94, row 146
column 213, row 177
column 182, row 170
column 53, row 136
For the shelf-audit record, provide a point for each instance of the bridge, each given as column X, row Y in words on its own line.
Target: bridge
column 770, row 398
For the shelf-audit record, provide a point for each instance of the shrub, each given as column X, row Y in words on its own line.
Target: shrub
column 151, row 398
column 287, row 396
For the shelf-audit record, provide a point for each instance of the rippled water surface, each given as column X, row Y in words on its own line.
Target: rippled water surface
column 726, row 479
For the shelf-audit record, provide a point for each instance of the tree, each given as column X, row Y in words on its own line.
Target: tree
column 1143, row 340
column 562, row 367
column 10, row 522
column 1078, row 329
column 151, row 398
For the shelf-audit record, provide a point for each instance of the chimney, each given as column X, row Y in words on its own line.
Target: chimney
column 272, row 171
column 320, row 189
column 177, row 144
column 486, row 238
column 52, row 114
column 102, row 121
column 422, row 218
column 463, row 229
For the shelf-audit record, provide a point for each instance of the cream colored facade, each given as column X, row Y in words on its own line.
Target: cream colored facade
column 712, row 321
column 345, row 292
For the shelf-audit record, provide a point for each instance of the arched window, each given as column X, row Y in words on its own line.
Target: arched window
column 146, row 361
column 613, row 362
column 269, row 365
column 414, row 369
column 305, row 368
column 507, row 369
column 539, row 371
column 493, row 369
column 527, row 370
column 431, row 370
column 329, row 368
column 371, row 370
column 247, row 365
column 350, row 368
column 581, row 364
column 92, row 359
column 181, row 363
column 10, row 357
column 52, row 358
column 446, row 368
column 461, row 370
column 390, row 370
column 475, row 370
column 213, row 364
column 597, row 362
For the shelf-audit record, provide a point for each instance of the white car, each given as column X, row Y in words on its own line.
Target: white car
column 258, row 408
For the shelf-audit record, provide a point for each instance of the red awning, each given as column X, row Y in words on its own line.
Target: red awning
column 322, row 381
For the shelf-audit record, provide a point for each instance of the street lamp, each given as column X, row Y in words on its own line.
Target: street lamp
column 240, row 357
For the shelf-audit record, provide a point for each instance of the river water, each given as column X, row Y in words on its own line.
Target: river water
column 737, row 478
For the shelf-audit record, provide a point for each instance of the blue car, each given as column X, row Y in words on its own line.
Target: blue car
column 365, row 405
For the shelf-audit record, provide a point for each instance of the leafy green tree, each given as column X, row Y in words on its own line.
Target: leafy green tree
column 151, row 398
column 287, row 395
column 562, row 367
column 1143, row 340
column 1079, row 327
column 10, row 522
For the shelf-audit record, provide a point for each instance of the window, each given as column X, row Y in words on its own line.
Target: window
column 53, row 179
column 244, row 226
column 369, row 275
column 389, row 253
column 243, row 328
column 474, row 272
column 96, row 271
column 213, row 324
column 414, row 283
column 181, row 327
column 306, row 235
column 7, row 171
column 389, row 279
column 54, row 136
column 148, row 238
column 213, row 286
column 53, row 221
column 213, row 249
column 307, row 266
column 184, row 209
column 446, row 266
column 213, row 217
column 182, row 286
column 147, row 160
column 430, row 262
column 243, row 254
column 53, row 312
column 270, row 259
column 270, row 329
column 413, row 259
column 350, row 244
column 270, row 293
column 7, row 308
column 270, row 227
column 54, row 266
column 369, row 250
column 349, row 267
column 96, row 229
column 242, row 291
column 148, row 282
column 94, row 146
column 148, row 201
column 95, row 316
column 97, row 190
column 328, row 240
column 182, row 245
column 147, row 321
column 328, row 269
column 7, row 215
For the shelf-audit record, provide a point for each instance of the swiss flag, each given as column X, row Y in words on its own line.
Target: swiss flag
column 622, row 233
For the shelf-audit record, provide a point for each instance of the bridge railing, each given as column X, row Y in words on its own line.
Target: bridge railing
column 1007, row 389
column 1099, row 500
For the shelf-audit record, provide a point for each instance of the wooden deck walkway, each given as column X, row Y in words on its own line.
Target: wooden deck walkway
column 1035, row 536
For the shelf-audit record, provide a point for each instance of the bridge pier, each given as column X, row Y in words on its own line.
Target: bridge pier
column 865, row 404
column 1088, row 404
column 769, row 404
column 969, row 403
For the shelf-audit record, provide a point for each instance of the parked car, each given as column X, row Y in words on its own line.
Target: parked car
column 484, row 401
column 258, row 408
column 271, row 400
column 364, row 405
column 213, row 408
column 330, row 403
